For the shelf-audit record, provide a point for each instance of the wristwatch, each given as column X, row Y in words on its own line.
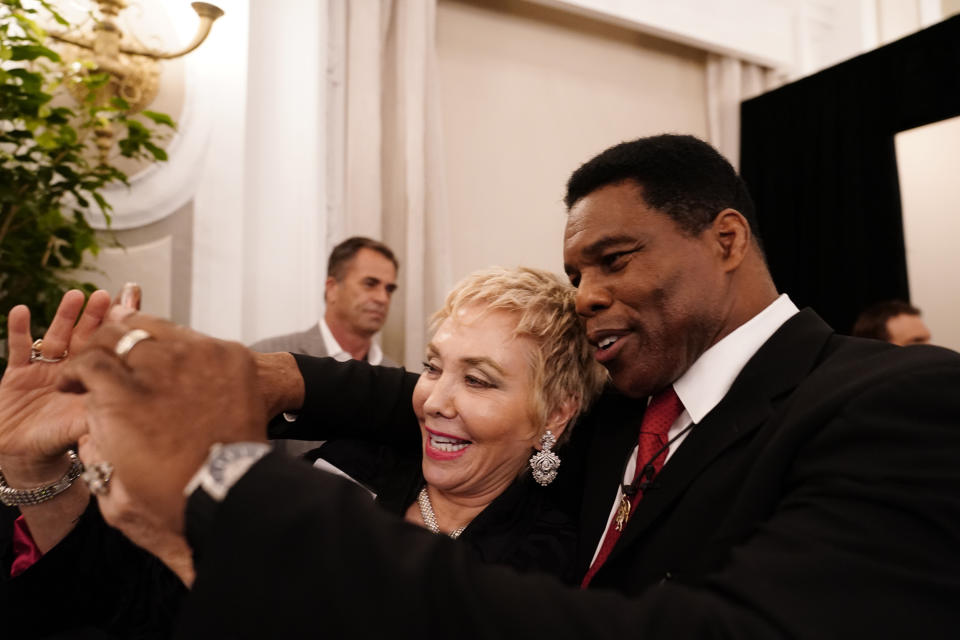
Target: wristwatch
column 225, row 465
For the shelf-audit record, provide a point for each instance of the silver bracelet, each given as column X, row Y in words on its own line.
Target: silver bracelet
column 16, row 497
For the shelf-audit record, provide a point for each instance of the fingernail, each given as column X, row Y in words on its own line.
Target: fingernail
column 130, row 296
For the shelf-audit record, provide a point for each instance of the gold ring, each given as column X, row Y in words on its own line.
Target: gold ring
column 36, row 355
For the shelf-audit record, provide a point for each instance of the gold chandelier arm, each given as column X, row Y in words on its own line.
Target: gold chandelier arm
column 208, row 14
column 77, row 42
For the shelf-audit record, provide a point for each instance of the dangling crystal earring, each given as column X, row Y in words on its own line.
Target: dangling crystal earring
column 544, row 463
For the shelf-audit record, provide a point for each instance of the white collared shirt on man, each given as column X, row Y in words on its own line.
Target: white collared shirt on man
column 335, row 351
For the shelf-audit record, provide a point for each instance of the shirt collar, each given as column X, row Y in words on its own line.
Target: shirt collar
column 708, row 379
column 335, row 351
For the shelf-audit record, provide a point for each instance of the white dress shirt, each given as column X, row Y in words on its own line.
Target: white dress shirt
column 706, row 382
column 335, row 351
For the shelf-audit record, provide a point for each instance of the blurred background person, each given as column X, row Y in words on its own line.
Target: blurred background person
column 361, row 279
column 893, row 321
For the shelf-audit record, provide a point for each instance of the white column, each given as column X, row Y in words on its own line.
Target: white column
column 260, row 235
column 218, row 204
column 284, row 210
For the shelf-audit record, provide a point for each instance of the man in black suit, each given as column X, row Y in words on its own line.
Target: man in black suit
column 811, row 487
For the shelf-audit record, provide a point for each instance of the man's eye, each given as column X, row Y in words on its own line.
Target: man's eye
column 611, row 258
column 430, row 369
column 615, row 260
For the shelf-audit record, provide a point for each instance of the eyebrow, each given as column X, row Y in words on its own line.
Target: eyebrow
column 591, row 251
column 605, row 243
column 375, row 280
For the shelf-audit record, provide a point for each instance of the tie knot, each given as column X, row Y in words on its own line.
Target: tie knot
column 664, row 408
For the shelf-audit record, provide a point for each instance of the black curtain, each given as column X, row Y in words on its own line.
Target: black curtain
column 818, row 156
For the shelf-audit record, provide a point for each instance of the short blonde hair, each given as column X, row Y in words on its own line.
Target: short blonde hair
column 563, row 365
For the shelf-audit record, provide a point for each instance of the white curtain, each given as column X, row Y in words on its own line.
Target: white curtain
column 729, row 82
column 384, row 170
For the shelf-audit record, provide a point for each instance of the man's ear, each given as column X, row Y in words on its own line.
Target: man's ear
column 731, row 231
column 329, row 288
column 559, row 419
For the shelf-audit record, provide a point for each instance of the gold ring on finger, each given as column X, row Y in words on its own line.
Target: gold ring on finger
column 36, row 355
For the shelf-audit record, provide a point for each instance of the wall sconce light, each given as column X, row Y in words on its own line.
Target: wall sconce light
column 133, row 69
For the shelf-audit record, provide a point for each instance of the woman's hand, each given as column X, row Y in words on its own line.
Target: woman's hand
column 37, row 422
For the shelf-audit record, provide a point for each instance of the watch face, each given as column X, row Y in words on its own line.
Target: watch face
column 228, row 462
column 218, row 468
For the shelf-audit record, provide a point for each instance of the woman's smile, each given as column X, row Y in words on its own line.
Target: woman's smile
column 441, row 446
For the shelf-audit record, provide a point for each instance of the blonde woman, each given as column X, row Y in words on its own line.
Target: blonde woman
column 506, row 372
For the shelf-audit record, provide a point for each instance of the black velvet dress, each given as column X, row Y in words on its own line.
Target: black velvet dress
column 522, row 528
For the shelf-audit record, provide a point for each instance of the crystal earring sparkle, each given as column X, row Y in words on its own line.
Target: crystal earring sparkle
column 544, row 463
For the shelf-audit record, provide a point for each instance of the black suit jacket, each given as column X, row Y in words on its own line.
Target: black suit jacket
column 819, row 499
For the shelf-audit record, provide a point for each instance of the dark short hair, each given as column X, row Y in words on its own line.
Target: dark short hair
column 872, row 321
column 680, row 175
column 344, row 252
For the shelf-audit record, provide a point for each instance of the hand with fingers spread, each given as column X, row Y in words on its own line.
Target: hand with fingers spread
column 38, row 423
column 157, row 397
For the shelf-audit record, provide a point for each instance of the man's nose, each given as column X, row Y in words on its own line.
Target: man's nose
column 592, row 296
column 381, row 295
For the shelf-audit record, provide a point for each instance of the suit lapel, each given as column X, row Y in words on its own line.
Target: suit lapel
column 313, row 341
column 615, row 435
column 777, row 367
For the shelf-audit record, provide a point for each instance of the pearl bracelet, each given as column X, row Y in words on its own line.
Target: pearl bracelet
column 16, row 497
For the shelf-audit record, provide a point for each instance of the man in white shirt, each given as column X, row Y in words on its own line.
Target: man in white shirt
column 361, row 279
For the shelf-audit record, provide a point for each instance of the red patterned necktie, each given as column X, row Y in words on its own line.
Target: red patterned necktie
column 663, row 410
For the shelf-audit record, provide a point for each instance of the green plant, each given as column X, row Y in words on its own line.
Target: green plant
column 50, row 174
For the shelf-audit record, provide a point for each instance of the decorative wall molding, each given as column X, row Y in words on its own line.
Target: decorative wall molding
column 793, row 37
column 757, row 31
column 162, row 188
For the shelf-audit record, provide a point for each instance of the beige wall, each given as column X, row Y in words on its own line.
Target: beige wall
column 929, row 163
column 529, row 93
column 158, row 256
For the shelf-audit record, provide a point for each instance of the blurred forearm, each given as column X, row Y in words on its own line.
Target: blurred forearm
column 279, row 382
